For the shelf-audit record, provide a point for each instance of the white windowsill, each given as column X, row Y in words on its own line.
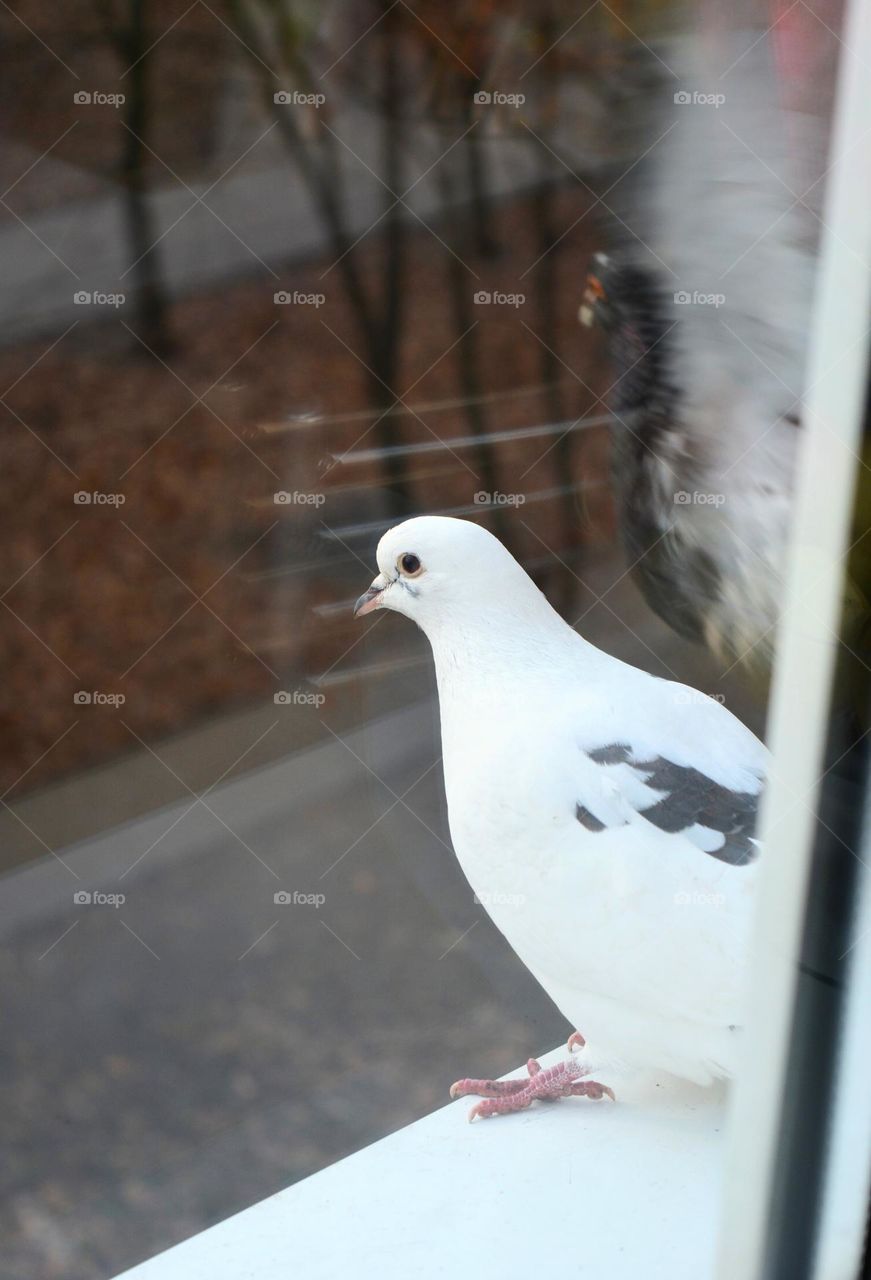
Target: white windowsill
column 591, row 1189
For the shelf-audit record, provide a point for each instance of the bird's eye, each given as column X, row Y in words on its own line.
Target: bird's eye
column 409, row 564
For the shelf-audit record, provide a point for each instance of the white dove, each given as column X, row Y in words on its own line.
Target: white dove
column 602, row 815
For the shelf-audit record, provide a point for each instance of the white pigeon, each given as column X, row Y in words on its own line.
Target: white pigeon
column 603, row 816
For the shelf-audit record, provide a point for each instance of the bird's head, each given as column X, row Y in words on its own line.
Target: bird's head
column 436, row 570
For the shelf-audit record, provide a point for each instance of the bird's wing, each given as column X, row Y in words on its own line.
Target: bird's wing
column 618, row 816
column 659, row 880
column 679, row 799
column 661, row 753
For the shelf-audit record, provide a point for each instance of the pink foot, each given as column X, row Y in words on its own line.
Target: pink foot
column 546, row 1084
column 575, row 1041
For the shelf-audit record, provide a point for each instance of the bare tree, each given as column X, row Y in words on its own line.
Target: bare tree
column 127, row 34
column 274, row 34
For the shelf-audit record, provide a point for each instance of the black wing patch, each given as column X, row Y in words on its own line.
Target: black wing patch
column 587, row 819
column 690, row 799
column 615, row 754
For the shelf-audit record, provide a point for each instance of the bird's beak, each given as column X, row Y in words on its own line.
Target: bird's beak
column 371, row 599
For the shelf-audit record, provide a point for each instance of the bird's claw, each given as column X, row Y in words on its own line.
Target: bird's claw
column 489, row 1088
column 545, row 1084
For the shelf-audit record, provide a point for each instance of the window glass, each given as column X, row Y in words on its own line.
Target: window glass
column 277, row 278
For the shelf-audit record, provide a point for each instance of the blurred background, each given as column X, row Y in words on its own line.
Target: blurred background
column 277, row 275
